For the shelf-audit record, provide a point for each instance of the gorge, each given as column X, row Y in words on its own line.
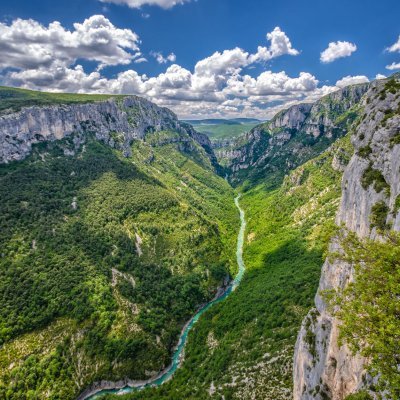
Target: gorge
column 119, row 227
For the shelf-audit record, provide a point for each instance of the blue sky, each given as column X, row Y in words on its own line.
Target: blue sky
column 101, row 55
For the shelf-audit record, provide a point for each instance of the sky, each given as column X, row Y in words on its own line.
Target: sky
column 201, row 58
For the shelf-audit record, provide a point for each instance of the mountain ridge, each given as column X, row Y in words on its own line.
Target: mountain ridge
column 289, row 169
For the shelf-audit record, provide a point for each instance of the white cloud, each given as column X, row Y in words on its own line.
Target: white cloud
column 393, row 66
column 26, row 44
column 47, row 58
column 394, row 47
column 351, row 80
column 161, row 59
column 140, row 60
column 280, row 45
column 139, row 3
column 270, row 84
column 380, row 76
column 219, row 64
column 337, row 50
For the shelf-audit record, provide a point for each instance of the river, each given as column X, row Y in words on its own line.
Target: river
column 179, row 350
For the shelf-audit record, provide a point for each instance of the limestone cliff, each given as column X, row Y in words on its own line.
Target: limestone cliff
column 322, row 368
column 116, row 121
column 293, row 136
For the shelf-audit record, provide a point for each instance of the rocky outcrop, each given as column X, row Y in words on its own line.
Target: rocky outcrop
column 292, row 136
column 322, row 368
column 117, row 122
column 292, row 118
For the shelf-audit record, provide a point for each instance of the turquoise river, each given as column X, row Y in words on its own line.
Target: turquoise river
column 178, row 353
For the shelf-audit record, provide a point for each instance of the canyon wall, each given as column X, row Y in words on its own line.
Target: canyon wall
column 117, row 122
column 322, row 368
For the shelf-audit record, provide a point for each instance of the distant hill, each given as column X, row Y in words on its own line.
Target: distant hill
column 246, row 120
column 221, row 121
column 218, row 129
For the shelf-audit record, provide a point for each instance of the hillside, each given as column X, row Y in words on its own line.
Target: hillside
column 104, row 256
column 292, row 137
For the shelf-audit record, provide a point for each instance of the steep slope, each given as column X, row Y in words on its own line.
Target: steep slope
column 292, row 137
column 115, row 228
column 369, row 205
column 243, row 347
column 116, row 121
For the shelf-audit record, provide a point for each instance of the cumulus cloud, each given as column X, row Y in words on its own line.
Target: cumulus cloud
column 48, row 58
column 394, row 47
column 351, row 80
column 393, row 66
column 337, row 50
column 161, row 59
column 380, row 76
column 270, row 84
column 26, row 44
column 280, row 45
column 139, row 3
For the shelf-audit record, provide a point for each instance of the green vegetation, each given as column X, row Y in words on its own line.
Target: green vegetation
column 389, row 113
column 375, row 177
column 12, row 99
column 359, row 396
column 243, row 347
column 395, row 139
column 273, row 162
column 397, row 205
column 365, row 151
column 392, row 86
column 104, row 259
column 369, row 306
column 379, row 214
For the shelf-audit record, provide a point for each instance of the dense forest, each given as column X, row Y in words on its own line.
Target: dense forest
column 104, row 259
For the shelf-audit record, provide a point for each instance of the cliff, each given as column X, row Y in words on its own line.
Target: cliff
column 322, row 368
column 293, row 136
column 115, row 121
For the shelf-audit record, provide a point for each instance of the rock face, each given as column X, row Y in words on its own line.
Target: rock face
column 116, row 122
column 322, row 368
column 294, row 135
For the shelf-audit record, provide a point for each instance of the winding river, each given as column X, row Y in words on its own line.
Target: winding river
column 178, row 353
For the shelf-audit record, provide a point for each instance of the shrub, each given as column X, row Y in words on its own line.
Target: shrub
column 379, row 213
column 397, row 205
column 392, row 86
column 395, row 139
column 365, row 151
column 373, row 176
column 359, row 396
